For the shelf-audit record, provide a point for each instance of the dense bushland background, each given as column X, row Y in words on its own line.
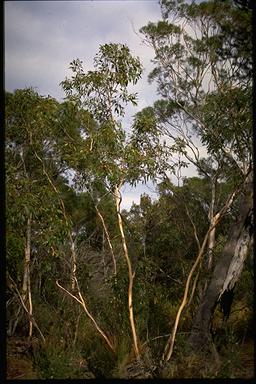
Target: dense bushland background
column 74, row 258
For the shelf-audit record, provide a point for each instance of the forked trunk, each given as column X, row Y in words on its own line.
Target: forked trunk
column 227, row 270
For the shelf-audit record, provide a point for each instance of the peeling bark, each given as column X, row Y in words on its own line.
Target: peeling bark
column 227, row 270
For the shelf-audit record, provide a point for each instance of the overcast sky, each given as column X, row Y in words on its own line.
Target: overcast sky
column 43, row 37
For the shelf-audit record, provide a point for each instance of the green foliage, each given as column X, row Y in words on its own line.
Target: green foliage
column 145, row 155
column 45, row 140
column 108, row 156
column 228, row 118
column 29, row 126
column 204, row 77
column 104, row 90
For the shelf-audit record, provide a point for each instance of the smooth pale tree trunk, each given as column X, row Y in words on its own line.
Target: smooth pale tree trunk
column 130, row 272
column 79, row 297
column 73, row 263
column 211, row 244
column 212, row 234
column 26, row 287
column 227, row 270
column 108, row 238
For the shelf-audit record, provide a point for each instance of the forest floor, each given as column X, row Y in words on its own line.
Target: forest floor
column 233, row 363
column 247, row 361
column 20, row 362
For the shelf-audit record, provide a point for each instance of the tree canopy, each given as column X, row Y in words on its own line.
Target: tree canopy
column 161, row 290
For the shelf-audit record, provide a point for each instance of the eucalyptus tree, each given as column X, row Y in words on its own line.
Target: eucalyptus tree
column 31, row 225
column 206, row 95
column 41, row 135
column 109, row 158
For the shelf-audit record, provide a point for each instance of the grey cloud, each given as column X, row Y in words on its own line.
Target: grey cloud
column 41, row 38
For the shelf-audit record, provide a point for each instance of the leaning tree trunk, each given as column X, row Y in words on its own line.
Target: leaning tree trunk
column 227, row 270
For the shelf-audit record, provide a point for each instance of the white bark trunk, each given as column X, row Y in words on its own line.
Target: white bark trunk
column 130, row 273
column 211, row 244
column 108, row 238
column 241, row 251
column 73, row 263
column 227, row 270
column 26, row 286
